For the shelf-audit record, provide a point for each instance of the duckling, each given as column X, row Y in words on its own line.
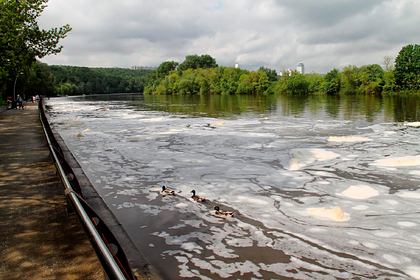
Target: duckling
column 222, row 214
column 165, row 191
column 197, row 198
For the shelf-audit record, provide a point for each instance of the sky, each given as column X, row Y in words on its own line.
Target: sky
column 276, row 34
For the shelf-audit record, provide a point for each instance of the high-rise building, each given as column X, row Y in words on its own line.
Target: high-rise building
column 300, row 68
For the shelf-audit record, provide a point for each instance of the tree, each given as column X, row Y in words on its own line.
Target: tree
column 21, row 39
column 297, row 84
column 271, row 74
column 165, row 67
column 407, row 67
column 388, row 63
column 372, row 79
column 204, row 61
column 255, row 82
column 39, row 81
column 350, row 79
column 314, row 82
column 332, row 82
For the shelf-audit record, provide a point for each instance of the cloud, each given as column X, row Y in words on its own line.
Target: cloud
column 323, row 34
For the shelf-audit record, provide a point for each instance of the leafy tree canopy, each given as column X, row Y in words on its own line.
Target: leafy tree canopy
column 204, row 61
column 407, row 67
column 271, row 74
column 332, row 82
column 165, row 68
column 21, row 39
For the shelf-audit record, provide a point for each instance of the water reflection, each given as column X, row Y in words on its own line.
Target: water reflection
column 349, row 107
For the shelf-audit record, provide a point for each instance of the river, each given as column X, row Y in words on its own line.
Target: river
column 322, row 187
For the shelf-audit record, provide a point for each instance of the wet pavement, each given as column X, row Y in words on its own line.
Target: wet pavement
column 38, row 240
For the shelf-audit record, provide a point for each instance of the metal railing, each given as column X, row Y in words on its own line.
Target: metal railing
column 106, row 246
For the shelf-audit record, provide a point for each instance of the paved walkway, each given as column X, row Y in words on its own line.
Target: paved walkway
column 37, row 239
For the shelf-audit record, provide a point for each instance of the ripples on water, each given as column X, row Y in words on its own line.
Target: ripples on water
column 275, row 170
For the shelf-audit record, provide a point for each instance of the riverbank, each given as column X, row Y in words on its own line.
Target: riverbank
column 38, row 239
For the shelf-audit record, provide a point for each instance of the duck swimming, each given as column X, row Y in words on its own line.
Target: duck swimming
column 165, row 191
column 197, row 198
column 222, row 214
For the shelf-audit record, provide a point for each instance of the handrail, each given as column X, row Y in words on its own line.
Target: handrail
column 109, row 259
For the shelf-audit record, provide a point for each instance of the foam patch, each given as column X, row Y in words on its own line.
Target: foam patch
column 336, row 213
column 360, row 192
column 348, row 139
column 398, row 161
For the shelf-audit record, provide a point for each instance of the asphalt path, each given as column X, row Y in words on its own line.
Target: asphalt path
column 38, row 240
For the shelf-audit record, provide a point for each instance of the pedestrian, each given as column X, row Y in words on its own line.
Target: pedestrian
column 19, row 102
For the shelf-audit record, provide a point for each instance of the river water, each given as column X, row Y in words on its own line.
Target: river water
column 321, row 187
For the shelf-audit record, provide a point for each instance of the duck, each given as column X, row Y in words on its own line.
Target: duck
column 197, row 198
column 222, row 214
column 165, row 191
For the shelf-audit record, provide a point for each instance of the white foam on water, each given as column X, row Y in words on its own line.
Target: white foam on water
column 392, row 202
column 348, row 139
column 390, row 258
column 409, row 194
column 131, row 116
column 354, row 242
column 413, row 271
column 370, row 245
column 303, row 157
column 151, row 120
column 129, row 192
column 246, row 166
column 398, row 161
column 360, row 192
column 335, row 213
column 413, row 124
column 171, row 131
column 360, row 207
column 192, row 247
column 407, row 224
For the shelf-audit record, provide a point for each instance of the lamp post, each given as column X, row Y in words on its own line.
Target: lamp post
column 14, row 87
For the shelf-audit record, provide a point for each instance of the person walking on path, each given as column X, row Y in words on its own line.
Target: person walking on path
column 19, row 101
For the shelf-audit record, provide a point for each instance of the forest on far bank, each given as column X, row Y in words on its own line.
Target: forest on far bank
column 202, row 75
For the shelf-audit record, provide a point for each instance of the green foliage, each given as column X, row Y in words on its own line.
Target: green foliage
column 271, row 74
column 205, row 79
column 204, row 61
column 39, row 81
column 197, row 75
column 297, row 84
column 390, row 83
column 371, row 78
column 72, row 80
column 314, row 82
column 255, row 82
column 407, row 67
column 332, row 82
column 350, row 79
column 163, row 70
column 21, row 39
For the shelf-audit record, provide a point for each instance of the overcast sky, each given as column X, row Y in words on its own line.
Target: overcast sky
column 277, row 34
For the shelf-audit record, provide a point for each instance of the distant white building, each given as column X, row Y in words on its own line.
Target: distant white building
column 236, row 65
column 301, row 68
column 143, row 67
